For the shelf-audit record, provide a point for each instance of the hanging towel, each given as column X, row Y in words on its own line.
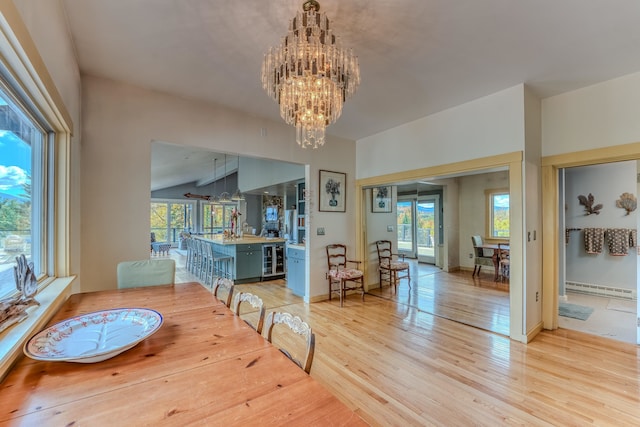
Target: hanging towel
column 593, row 240
column 619, row 239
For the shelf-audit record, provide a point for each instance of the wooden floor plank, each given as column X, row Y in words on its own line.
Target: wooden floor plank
column 397, row 359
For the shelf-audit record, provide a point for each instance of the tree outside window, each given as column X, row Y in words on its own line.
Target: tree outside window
column 497, row 213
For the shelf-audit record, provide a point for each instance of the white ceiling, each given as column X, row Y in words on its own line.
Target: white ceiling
column 417, row 57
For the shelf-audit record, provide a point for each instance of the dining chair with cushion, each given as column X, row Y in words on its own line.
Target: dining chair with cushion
column 255, row 302
column 298, row 327
column 391, row 267
column 150, row 272
column 226, row 284
column 341, row 277
column 481, row 257
column 504, row 266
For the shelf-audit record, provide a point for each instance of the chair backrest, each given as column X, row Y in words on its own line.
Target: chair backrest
column 384, row 251
column 477, row 242
column 255, row 302
column 336, row 256
column 298, row 326
column 153, row 237
column 226, row 284
column 149, row 272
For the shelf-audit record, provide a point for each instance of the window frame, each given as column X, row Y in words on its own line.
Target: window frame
column 25, row 72
column 489, row 212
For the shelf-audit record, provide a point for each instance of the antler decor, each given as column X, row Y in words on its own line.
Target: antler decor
column 587, row 202
column 628, row 202
column 14, row 310
column 196, row 196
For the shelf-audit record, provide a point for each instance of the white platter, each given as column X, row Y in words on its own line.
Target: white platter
column 93, row 337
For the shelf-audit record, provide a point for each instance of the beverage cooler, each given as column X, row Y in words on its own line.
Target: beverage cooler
column 273, row 261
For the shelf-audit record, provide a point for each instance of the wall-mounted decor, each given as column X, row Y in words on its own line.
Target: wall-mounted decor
column 332, row 191
column 381, row 199
column 587, row 202
column 628, row 202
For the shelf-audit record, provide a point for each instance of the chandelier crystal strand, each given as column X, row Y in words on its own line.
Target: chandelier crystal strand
column 310, row 75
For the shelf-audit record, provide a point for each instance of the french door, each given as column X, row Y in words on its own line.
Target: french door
column 418, row 226
column 427, row 226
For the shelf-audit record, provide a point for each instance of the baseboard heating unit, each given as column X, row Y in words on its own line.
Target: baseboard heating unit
column 601, row 290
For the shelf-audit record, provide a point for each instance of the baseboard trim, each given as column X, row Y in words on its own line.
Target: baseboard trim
column 533, row 332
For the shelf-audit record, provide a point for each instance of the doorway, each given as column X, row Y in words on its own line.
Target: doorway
column 418, row 222
column 597, row 280
column 427, row 228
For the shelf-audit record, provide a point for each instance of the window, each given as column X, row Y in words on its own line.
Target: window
column 170, row 218
column 216, row 217
column 497, row 201
column 23, row 190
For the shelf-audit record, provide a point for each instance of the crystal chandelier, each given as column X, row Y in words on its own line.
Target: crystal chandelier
column 310, row 75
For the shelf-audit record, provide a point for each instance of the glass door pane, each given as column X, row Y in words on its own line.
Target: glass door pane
column 404, row 210
column 159, row 221
column 426, row 222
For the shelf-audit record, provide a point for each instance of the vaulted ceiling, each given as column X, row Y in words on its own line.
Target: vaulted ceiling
column 417, row 57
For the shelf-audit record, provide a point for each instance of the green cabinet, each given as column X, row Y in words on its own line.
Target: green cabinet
column 296, row 270
column 248, row 263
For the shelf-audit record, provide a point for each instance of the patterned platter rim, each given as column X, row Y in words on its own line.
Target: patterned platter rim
column 45, row 344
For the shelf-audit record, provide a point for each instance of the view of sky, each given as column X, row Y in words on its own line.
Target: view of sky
column 15, row 164
column 501, row 201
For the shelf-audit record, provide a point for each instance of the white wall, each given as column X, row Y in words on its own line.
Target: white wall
column 532, row 199
column 602, row 115
column 120, row 121
column 606, row 182
column 488, row 126
column 472, row 212
column 377, row 223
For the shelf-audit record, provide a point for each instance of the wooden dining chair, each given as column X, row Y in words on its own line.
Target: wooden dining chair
column 227, row 285
column 255, row 302
column 149, row 272
column 504, row 265
column 391, row 267
column 341, row 277
column 299, row 327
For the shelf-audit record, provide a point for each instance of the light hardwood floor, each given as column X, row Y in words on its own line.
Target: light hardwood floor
column 396, row 364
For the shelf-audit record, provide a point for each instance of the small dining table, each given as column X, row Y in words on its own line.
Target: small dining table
column 203, row 366
column 497, row 249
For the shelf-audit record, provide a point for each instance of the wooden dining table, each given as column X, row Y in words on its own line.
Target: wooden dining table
column 497, row 249
column 204, row 366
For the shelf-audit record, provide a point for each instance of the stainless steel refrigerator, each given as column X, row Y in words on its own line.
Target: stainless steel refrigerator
column 291, row 225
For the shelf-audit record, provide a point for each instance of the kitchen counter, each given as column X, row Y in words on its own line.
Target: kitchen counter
column 251, row 258
column 298, row 246
column 242, row 240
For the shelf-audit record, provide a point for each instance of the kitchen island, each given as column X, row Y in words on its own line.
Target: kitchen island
column 251, row 258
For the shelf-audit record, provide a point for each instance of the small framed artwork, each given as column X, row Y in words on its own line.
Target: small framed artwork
column 332, row 193
column 381, row 199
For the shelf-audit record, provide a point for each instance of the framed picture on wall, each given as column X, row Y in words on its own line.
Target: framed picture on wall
column 381, row 199
column 332, row 192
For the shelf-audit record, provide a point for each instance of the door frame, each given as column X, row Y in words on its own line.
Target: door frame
column 514, row 162
column 436, row 227
column 550, row 217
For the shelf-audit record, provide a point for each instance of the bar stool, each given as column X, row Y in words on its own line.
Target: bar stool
column 222, row 265
column 206, row 270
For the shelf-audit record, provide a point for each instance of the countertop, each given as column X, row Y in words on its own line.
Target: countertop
column 246, row 240
column 298, row 246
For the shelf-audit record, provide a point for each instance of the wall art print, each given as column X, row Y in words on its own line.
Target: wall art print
column 332, row 191
column 381, row 199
